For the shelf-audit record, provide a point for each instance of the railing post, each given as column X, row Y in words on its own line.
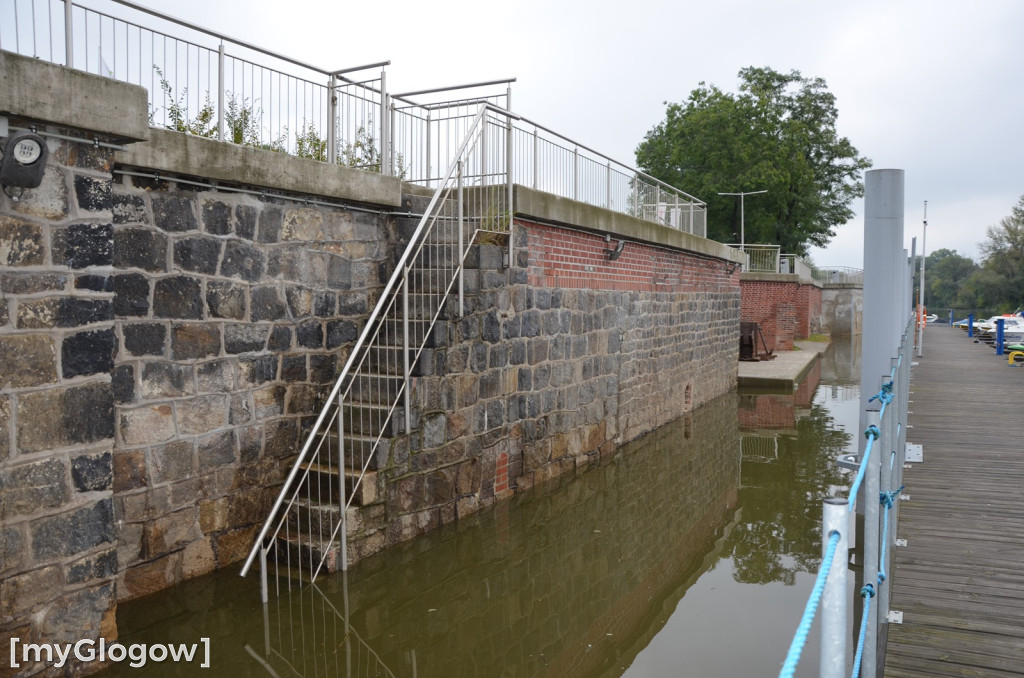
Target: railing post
column 509, row 166
column 608, row 186
column 429, row 136
column 970, row 325
column 462, row 246
column 889, row 440
column 220, row 92
column 69, row 45
column 332, row 120
column 871, row 552
column 834, row 634
column 264, row 593
column 536, row 157
column 406, row 372
column 386, row 151
column 576, row 173
column 342, row 498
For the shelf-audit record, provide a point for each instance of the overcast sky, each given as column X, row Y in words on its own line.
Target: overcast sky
column 933, row 87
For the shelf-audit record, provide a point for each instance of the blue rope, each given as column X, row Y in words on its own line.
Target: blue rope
column 871, row 433
column 867, row 593
column 811, row 609
column 887, row 499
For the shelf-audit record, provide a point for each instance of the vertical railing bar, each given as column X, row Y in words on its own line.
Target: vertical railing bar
column 405, row 351
column 834, row 633
column 264, row 594
column 341, row 482
column 871, row 534
column 220, row 92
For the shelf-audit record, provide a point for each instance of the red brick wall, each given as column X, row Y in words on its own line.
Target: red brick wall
column 784, row 310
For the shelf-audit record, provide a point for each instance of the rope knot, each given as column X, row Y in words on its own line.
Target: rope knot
column 887, row 499
column 872, row 432
column 868, row 591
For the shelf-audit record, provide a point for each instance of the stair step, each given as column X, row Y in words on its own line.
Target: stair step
column 322, row 484
column 300, row 557
column 368, row 420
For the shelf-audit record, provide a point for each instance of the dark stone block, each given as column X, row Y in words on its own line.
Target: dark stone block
column 28, row 488
column 490, row 384
column 199, row 254
column 271, row 220
column 32, row 283
column 310, row 334
column 90, row 352
column 242, row 260
column 122, row 382
column 95, row 283
column 75, row 311
column 322, row 368
column 293, row 368
column 128, row 209
column 245, row 221
column 267, row 304
column 341, row 332
column 131, row 295
column 145, row 338
column 140, row 248
column 339, row 273
column 83, row 245
column 498, row 356
column 530, row 326
column 259, row 369
column 93, row 194
column 192, row 341
column 491, row 331
column 99, row 566
column 478, row 358
column 323, row 304
column 174, row 213
column 300, row 301
column 178, row 297
column 225, row 300
column 245, row 338
column 352, row 304
column 92, row 472
column 280, row 339
column 216, row 217
column 73, row 532
column 216, row 449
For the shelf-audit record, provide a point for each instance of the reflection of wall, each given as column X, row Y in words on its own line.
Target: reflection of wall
column 559, row 571
column 779, row 410
column 841, row 309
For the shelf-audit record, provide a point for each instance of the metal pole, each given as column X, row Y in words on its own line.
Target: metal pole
column 889, row 438
column 386, row 148
column 871, row 483
column 970, row 324
column 332, row 121
column 608, row 187
column 405, row 349
column 920, row 291
column 462, row 246
column 68, row 31
column 264, row 594
column 742, row 226
column 1000, row 324
column 220, row 92
column 576, row 173
column 508, row 178
column 342, row 499
column 834, row 632
column 429, row 139
column 536, row 157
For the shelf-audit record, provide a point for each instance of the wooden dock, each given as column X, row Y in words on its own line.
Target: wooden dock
column 960, row 580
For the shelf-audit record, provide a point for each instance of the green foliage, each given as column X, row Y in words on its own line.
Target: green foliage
column 204, row 124
column 777, row 134
column 1003, row 260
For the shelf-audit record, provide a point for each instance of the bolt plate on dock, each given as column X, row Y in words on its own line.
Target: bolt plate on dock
column 901, row 542
column 914, row 453
column 894, row 617
column 904, row 497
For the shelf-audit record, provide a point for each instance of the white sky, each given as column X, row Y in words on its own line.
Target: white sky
column 933, row 87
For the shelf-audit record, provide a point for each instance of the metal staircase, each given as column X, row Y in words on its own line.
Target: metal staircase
column 336, row 469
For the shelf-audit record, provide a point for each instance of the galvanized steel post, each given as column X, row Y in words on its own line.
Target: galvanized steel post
column 342, row 499
column 332, row 120
column 220, row 92
column 871, row 551
column 834, row 632
column 508, row 178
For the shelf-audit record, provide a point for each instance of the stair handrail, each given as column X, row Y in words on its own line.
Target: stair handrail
column 369, row 329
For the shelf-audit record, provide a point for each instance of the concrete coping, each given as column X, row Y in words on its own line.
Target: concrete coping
column 778, row 277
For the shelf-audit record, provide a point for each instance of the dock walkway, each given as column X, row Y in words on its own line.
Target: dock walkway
column 960, row 580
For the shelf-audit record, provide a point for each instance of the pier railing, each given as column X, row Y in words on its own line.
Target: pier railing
column 874, row 492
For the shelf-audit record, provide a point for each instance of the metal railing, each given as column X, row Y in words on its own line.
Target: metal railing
column 880, row 480
column 839, row 275
column 760, row 258
column 207, row 83
column 370, row 402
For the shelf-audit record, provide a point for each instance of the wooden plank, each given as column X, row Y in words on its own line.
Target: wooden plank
column 959, row 580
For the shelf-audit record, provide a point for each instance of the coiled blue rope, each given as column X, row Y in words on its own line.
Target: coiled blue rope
column 887, row 499
column 796, row 648
column 867, row 593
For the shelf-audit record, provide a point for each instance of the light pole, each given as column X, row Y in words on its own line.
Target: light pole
column 742, row 233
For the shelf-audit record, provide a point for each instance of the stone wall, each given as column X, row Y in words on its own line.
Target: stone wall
column 841, row 309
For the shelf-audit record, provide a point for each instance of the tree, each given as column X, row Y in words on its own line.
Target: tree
column 946, row 276
column 778, row 134
column 1003, row 260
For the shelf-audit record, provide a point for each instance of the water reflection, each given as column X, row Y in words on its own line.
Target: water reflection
column 684, row 554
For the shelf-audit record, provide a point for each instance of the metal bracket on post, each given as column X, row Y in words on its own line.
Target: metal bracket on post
column 895, row 617
column 850, row 462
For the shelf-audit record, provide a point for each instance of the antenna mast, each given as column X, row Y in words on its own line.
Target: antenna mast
column 920, row 290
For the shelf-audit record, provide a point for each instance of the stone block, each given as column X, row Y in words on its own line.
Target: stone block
column 194, row 341
column 245, row 338
column 94, row 283
column 83, row 245
column 280, row 439
column 174, row 213
column 267, row 304
column 89, row 352
column 28, row 488
column 172, row 532
column 171, row 462
column 213, row 515
column 49, row 200
column 216, row 216
column 246, row 217
column 22, row 593
column 128, row 209
column 293, row 368
column 303, row 224
column 92, row 472
column 167, row 380
column 62, row 417
column 32, row 283
column 131, row 295
column 216, row 376
column 322, row 368
column 129, row 469
column 280, row 339
column 310, row 334
column 5, row 427
column 270, row 222
column 30, row 359
column 300, row 301
column 92, row 567
column 198, row 254
column 234, row 546
column 201, row 414
column 149, row 577
column 341, row 332
column 12, row 548
column 216, row 449
column 138, row 247
column 198, row 558
column 242, row 260
column 21, row 243
column 122, row 383
column 93, row 194
column 73, row 532
column 145, row 339
column 225, row 300
column 178, row 297
column 146, row 425
column 269, row 401
column 303, row 399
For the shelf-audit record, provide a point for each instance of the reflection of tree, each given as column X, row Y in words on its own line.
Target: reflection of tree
column 780, row 533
